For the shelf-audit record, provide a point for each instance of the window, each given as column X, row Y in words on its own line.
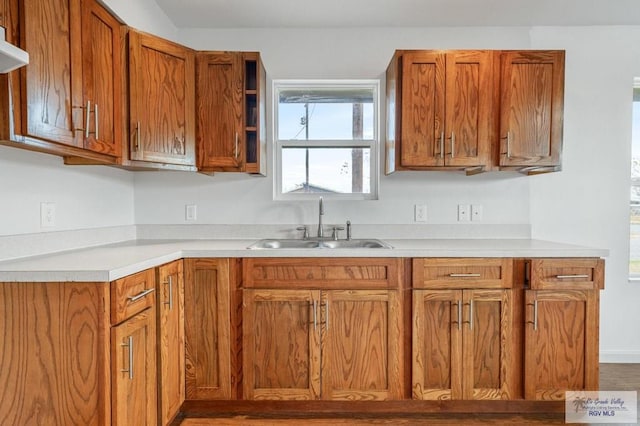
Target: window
column 634, row 199
column 326, row 139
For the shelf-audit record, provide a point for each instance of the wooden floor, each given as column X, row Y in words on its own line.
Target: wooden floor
column 612, row 377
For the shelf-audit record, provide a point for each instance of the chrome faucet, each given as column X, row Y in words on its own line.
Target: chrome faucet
column 320, row 214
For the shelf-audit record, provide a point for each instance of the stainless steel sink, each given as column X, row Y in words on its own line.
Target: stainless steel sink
column 275, row 243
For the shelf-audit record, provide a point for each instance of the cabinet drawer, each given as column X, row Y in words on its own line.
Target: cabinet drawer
column 132, row 294
column 325, row 273
column 462, row 273
column 567, row 274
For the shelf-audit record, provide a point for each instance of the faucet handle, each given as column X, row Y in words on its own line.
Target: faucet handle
column 334, row 235
column 305, row 236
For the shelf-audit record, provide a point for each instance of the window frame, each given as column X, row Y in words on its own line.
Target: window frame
column 633, row 182
column 373, row 144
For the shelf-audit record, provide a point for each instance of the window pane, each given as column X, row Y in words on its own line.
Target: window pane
column 331, row 170
column 308, row 117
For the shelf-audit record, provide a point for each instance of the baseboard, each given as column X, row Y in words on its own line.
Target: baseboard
column 620, row 357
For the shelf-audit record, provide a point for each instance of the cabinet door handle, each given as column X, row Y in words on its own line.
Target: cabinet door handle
column 136, row 145
column 535, row 314
column 459, row 309
column 236, row 148
column 442, row 145
column 86, row 124
column 464, row 275
column 129, row 346
column 471, row 314
column 170, row 284
column 453, row 144
column 568, row 277
column 315, row 315
column 328, row 314
column 508, row 138
column 140, row 295
column 97, row 120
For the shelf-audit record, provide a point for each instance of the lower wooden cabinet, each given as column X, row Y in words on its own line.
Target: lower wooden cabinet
column 465, row 344
column 322, row 343
column 170, row 307
column 54, row 362
column 210, row 365
column 562, row 327
column 133, row 374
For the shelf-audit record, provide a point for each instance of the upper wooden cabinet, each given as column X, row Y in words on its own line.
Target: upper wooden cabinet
column 102, row 37
column 161, row 101
column 230, row 112
column 531, row 109
column 475, row 110
column 66, row 100
column 440, row 109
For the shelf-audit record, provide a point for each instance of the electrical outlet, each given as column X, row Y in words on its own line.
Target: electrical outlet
column 190, row 212
column 47, row 215
column 464, row 211
column 420, row 212
column 476, row 212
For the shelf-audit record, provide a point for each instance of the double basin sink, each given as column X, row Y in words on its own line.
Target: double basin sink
column 275, row 243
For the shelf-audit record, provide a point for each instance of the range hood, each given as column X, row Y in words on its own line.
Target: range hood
column 11, row 57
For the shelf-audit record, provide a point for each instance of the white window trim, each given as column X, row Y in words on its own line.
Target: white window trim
column 373, row 144
column 633, row 278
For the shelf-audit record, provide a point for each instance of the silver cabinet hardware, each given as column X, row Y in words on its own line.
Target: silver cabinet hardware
column 453, row 144
column 464, row 275
column 236, row 153
column 170, row 284
column 129, row 346
column 140, row 295
column 568, row 277
column 442, row 145
column 97, row 119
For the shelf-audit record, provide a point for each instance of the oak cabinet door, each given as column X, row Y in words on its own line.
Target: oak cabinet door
column 490, row 345
column 133, row 355
column 465, row 345
column 437, row 344
column 207, row 329
column 220, row 131
column 469, row 112
column 171, row 364
column 361, row 345
column 422, row 109
column 102, row 79
column 53, row 80
column 281, row 344
column 561, row 342
column 531, row 108
column 162, row 99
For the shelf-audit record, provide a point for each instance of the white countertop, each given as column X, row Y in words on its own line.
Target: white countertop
column 113, row 261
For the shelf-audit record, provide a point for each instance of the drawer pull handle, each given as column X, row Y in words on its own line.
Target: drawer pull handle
column 464, row 275
column 129, row 346
column 567, row 277
column 140, row 295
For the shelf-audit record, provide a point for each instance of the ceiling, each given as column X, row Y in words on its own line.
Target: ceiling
column 398, row 13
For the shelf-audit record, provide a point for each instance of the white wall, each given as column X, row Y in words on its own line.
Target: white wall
column 588, row 202
column 85, row 196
